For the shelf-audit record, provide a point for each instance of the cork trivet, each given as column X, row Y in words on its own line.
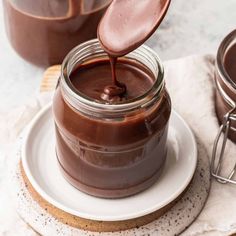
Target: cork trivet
column 91, row 225
column 48, row 220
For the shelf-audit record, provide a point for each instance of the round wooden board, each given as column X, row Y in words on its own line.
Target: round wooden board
column 91, row 225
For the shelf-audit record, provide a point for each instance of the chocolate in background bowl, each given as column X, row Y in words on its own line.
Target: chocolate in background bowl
column 44, row 31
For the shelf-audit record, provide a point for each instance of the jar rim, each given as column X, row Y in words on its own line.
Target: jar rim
column 127, row 105
column 224, row 45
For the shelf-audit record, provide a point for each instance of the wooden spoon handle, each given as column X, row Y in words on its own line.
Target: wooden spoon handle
column 50, row 78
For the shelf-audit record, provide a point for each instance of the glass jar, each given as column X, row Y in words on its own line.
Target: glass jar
column 44, row 31
column 111, row 150
column 225, row 98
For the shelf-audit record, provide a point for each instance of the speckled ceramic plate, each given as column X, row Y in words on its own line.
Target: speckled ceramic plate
column 40, row 165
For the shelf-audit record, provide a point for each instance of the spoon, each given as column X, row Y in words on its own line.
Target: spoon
column 129, row 23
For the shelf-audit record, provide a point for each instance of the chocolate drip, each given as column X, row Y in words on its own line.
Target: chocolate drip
column 117, row 90
column 124, row 27
column 93, row 80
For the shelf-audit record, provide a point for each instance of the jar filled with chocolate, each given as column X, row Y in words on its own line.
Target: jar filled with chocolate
column 44, row 31
column 225, row 80
column 111, row 148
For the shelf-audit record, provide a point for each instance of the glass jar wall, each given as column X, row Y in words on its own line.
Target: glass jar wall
column 111, row 150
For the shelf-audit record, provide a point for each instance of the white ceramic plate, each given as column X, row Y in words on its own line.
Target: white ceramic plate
column 41, row 167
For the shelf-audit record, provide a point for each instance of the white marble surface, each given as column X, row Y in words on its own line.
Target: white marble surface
column 191, row 27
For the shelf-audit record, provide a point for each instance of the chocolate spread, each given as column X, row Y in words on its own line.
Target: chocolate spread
column 93, row 79
column 126, row 25
column 119, row 155
column 44, row 31
column 111, row 157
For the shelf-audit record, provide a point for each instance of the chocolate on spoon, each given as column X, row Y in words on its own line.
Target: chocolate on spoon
column 129, row 23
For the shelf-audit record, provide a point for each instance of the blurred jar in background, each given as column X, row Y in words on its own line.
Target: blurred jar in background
column 225, row 81
column 44, row 31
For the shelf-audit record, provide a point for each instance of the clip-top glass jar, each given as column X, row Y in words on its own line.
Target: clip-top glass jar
column 44, row 31
column 226, row 85
column 225, row 103
column 111, row 150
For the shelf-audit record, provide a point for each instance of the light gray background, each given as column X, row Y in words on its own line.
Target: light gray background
column 190, row 27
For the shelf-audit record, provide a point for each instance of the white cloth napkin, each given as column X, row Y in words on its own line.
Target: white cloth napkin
column 190, row 84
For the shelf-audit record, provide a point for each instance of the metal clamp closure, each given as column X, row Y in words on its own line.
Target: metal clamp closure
column 216, row 163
